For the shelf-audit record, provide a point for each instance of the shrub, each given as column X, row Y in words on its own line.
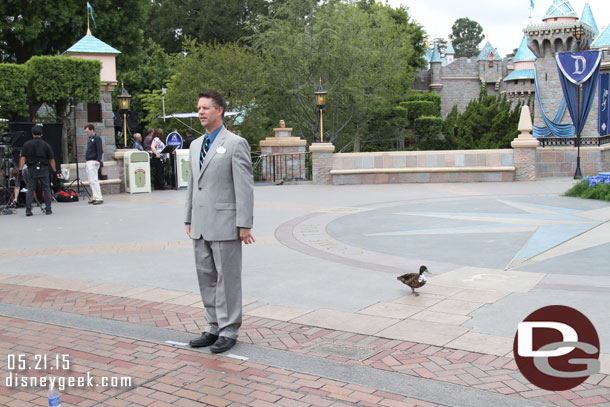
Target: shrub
column 590, row 188
column 417, row 109
column 428, row 127
column 425, row 96
column 13, row 91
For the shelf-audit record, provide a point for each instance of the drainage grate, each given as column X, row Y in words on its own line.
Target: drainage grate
column 343, row 351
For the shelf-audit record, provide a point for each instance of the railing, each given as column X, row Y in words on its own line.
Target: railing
column 281, row 167
column 571, row 141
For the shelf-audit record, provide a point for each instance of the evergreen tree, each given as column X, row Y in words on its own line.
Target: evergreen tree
column 466, row 35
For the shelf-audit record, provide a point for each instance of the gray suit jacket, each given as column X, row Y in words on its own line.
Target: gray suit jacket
column 220, row 196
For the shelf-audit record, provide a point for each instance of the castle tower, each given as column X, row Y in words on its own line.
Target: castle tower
column 99, row 114
column 435, row 66
column 519, row 84
column 449, row 53
column 490, row 68
column 556, row 34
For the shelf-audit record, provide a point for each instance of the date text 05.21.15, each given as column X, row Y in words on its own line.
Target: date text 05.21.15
column 36, row 361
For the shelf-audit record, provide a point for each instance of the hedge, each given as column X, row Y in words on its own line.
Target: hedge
column 417, row 109
column 425, row 97
column 13, row 91
column 60, row 79
column 428, row 127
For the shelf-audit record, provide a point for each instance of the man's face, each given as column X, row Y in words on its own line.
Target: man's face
column 209, row 115
column 88, row 132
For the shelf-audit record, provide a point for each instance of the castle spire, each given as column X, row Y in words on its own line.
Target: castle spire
column 587, row 18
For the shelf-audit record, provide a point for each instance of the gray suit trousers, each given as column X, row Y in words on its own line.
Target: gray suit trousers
column 218, row 265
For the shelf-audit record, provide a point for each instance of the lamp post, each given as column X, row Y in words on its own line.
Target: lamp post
column 579, row 32
column 321, row 101
column 124, row 104
column 163, row 92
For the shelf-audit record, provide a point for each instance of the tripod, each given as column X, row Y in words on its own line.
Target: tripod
column 77, row 179
column 6, row 192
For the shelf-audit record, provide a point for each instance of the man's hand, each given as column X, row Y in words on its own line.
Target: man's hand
column 245, row 235
column 188, row 230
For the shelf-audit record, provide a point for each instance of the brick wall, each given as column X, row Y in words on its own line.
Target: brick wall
column 561, row 162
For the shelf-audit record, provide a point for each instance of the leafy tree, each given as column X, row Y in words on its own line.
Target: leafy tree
column 364, row 53
column 227, row 68
column 146, row 78
column 222, row 21
column 13, row 97
column 467, row 35
column 40, row 27
column 61, row 81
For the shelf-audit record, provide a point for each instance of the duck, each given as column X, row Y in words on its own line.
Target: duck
column 415, row 280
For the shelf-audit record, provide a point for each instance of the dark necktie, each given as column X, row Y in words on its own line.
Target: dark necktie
column 204, row 150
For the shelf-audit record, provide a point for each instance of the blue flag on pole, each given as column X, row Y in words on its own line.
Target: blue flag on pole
column 531, row 3
column 579, row 69
column 604, row 104
column 91, row 12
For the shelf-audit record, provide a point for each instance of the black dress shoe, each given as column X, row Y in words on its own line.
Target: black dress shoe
column 28, row 212
column 206, row 339
column 223, row 344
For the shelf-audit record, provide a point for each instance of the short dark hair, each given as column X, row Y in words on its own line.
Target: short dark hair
column 189, row 131
column 219, row 100
column 90, row 127
column 37, row 130
column 150, row 131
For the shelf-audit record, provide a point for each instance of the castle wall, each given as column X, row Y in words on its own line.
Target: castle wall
column 461, row 84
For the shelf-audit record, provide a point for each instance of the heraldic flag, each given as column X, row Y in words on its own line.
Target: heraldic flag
column 579, row 69
column 603, row 121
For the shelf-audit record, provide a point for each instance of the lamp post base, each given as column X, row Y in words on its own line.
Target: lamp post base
column 578, row 174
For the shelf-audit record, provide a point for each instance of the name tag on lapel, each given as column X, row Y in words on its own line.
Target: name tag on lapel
column 221, row 150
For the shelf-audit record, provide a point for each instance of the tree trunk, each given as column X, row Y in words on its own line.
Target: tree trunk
column 357, row 145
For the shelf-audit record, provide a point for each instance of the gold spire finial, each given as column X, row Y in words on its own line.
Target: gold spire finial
column 487, row 35
column 586, row 1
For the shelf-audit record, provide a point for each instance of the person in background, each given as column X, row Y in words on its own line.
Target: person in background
column 158, row 160
column 93, row 156
column 38, row 156
column 148, row 139
column 189, row 139
column 137, row 142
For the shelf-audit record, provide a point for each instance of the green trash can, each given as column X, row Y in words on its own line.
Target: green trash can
column 136, row 165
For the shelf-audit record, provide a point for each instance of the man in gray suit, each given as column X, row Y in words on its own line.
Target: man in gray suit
column 219, row 212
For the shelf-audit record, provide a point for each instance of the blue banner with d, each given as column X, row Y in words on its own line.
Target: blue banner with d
column 604, row 102
column 576, row 70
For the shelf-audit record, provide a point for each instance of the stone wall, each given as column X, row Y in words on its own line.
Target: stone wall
column 105, row 128
column 458, row 92
column 561, row 162
column 422, row 166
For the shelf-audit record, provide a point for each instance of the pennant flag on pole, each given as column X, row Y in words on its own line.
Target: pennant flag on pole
column 579, row 69
column 91, row 12
column 531, row 3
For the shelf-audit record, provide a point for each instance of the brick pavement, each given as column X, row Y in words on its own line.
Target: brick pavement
column 158, row 375
column 486, row 372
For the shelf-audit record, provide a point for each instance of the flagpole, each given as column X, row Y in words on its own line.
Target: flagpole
column 88, row 30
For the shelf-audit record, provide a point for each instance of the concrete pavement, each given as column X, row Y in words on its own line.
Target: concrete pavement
column 319, row 284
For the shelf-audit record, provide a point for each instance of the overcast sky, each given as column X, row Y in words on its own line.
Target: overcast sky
column 504, row 20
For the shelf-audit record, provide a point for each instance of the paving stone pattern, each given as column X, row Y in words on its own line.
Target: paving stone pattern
column 228, row 381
